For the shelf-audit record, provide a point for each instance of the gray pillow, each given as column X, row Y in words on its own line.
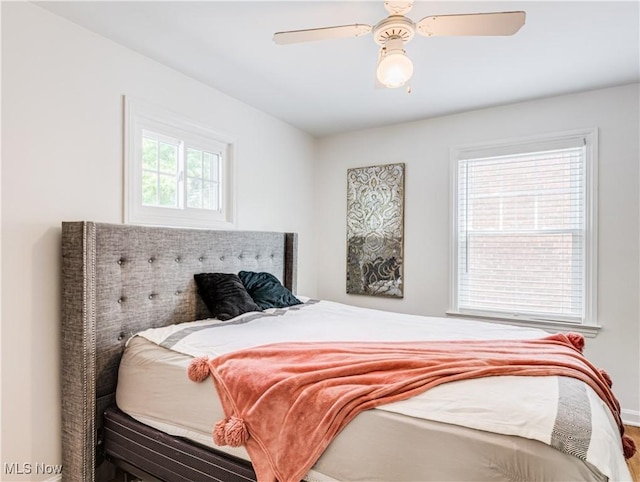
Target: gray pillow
column 224, row 294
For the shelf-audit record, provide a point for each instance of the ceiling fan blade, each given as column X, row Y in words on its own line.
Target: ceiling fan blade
column 499, row 23
column 312, row 34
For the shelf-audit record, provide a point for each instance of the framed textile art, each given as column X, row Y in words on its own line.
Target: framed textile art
column 375, row 230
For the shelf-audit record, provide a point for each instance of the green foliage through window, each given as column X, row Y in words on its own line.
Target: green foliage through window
column 164, row 181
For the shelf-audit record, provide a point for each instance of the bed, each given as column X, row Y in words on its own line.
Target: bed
column 120, row 280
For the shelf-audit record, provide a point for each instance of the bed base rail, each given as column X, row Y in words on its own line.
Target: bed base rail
column 151, row 454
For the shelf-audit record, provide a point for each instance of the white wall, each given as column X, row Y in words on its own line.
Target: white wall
column 62, row 89
column 424, row 147
column 62, row 124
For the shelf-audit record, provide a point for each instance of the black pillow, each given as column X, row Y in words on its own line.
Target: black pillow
column 224, row 294
column 267, row 291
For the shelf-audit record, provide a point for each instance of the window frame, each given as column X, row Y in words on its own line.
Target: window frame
column 589, row 325
column 143, row 116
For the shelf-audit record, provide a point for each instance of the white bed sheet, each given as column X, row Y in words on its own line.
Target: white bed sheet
column 475, row 404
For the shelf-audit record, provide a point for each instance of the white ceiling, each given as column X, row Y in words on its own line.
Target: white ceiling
column 328, row 87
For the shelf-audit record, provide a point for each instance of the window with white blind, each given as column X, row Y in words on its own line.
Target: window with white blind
column 524, row 230
column 177, row 173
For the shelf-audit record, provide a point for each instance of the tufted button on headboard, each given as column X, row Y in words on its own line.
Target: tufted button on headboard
column 120, row 279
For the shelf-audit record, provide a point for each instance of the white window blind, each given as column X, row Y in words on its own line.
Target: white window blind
column 523, row 227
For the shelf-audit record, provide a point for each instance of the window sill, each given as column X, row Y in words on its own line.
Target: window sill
column 589, row 331
column 185, row 218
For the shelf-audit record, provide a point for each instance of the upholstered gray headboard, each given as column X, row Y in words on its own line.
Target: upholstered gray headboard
column 120, row 279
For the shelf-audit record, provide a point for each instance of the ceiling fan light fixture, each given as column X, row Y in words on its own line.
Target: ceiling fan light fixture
column 395, row 68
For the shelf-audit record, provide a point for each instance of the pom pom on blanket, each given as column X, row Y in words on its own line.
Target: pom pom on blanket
column 218, row 432
column 606, row 377
column 230, row 431
column 628, row 447
column 198, row 370
column 236, row 432
column 577, row 340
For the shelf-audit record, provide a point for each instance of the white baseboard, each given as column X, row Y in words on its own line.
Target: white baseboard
column 630, row 417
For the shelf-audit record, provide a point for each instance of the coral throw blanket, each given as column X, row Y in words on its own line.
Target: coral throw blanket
column 287, row 401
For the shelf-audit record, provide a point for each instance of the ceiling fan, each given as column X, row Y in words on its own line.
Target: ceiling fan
column 394, row 67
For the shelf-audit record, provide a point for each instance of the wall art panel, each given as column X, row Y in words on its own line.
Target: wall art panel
column 375, row 230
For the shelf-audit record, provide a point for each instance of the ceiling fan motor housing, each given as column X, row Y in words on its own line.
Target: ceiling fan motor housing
column 392, row 27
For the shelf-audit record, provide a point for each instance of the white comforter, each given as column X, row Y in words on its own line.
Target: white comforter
column 540, row 408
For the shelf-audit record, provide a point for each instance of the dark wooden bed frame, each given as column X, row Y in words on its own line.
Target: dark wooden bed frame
column 121, row 279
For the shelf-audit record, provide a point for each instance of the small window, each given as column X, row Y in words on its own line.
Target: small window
column 177, row 173
column 525, row 230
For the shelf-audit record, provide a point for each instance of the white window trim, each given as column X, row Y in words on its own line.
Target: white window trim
column 589, row 326
column 139, row 115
